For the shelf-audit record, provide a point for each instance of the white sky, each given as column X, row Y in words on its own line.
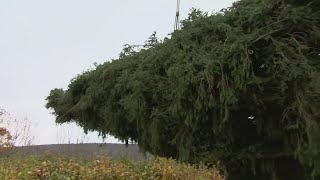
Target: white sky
column 45, row 43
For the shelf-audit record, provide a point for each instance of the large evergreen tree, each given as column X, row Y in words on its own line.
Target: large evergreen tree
column 241, row 87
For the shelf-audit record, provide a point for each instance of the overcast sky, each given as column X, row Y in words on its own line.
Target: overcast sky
column 45, row 43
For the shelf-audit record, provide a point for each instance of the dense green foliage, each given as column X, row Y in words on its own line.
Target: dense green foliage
column 241, row 86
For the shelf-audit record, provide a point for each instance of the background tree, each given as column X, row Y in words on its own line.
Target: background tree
column 240, row 86
column 6, row 142
column 14, row 131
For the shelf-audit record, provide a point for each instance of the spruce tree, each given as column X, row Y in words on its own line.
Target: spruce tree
column 240, row 87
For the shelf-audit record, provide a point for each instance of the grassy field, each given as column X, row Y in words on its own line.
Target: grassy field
column 60, row 168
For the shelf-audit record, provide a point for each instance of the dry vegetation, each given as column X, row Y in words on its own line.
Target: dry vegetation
column 50, row 167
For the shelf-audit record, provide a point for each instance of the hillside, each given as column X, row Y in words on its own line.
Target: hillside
column 86, row 151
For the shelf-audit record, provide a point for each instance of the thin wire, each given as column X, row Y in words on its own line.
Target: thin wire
column 66, row 112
